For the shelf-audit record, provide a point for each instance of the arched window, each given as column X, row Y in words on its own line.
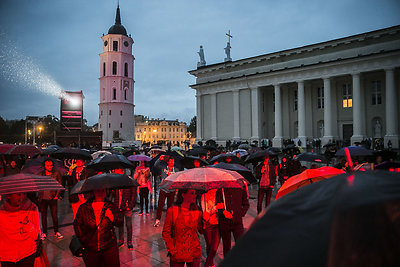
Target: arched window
column 120, row 125
column 104, row 69
column 126, row 70
column 126, row 94
column 120, row 112
column 115, row 45
column 114, row 94
column 114, row 68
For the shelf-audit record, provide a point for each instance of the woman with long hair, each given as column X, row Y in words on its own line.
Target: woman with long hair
column 142, row 176
column 182, row 222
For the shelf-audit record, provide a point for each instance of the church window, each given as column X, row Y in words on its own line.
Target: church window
column 120, row 112
column 109, row 112
column 295, row 100
column 100, row 126
column 120, row 125
column 126, row 70
column 101, row 113
column 347, row 96
column 115, row 134
column 320, row 97
column 114, row 94
column 126, row 94
column 104, row 69
column 114, row 68
column 109, row 125
column 115, row 45
column 376, row 92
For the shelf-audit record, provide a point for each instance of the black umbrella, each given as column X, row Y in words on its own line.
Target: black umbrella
column 228, row 158
column 188, row 162
column 387, row 165
column 259, row 156
column 35, row 166
column 246, row 173
column 25, row 183
column 104, row 181
column 160, row 161
column 311, row 157
column 110, row 162
column 197, row 151
column 354, row 151
column 71, row 153
column 296, row 229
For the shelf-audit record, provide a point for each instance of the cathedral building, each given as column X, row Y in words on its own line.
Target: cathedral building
column 343, row 90
column 116, row 108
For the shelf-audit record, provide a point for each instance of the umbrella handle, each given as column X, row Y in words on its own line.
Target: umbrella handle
column 223, row 197
column 347, row 151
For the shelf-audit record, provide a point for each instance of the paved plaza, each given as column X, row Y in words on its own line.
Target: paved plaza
column 148, row 246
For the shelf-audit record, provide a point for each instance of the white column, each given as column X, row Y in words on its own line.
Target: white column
column 236, row 115
column 199, row 117
column 301, row 111
column 358, row 133
column 214, row 116
column 392, row 123
column 254, row 114
column 278, row 139
column 328, row 135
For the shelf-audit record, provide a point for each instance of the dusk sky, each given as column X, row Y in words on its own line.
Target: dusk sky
column 52, row 45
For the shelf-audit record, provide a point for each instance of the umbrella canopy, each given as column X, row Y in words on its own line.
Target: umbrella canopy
column 296, row 229
column 258, row 156
column 131, row 152
column 197, row 151
column 100, row 153
column 110, row 162
column 104, row 181
column 35, row 166
column 139, row 157
column 28, row 150
column 227, row 158
column 204, row 178
column 354, row 151
column 311, row 157
column 24, row 183
column 5, row 147
column 118, row 149
column 188, row 162
column 71, row 153
column 176, row 148
column 307, row 177
column 243, row 171
column 387, row 165
column 241, row 152
column 156, row 150
column 244, row 146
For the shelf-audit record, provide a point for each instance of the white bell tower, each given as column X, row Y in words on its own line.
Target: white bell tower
column 116, row 108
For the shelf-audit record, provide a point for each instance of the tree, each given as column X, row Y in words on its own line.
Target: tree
column 192, row 126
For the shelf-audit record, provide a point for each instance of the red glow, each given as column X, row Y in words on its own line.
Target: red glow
column 350, row 180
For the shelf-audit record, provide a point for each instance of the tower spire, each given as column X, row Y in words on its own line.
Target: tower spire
column 118, row 16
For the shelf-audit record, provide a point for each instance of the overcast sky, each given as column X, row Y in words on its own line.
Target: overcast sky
column 51, row 45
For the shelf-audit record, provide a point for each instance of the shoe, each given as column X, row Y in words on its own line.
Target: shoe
column 58, row 235
column 43, row 236
column 141, row 213
column 120, row 244
column 157, row 223
column 130, row 246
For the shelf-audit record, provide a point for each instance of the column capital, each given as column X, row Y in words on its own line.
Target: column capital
column 326, row 78
column 300, row 81
column 355, row 74
column 389, row 70
column 277, row 85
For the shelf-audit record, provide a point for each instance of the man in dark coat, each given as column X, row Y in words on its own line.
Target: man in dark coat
column 232, row 205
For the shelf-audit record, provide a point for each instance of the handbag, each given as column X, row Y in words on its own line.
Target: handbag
column 76, row 247
column 39, row 247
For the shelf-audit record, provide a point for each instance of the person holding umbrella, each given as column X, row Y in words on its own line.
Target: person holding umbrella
column 182, row 223
column 267, row 174
column 48, row 199
column 142, row 176
column 20, row 228
column 94, row 226
column 77, row 174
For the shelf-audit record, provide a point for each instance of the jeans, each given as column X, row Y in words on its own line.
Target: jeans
column 127, row 217
column 261, row 192
column 212, row 237
column 161, row 201
column 194, row 263
column 144, row 198
column 225, row 229
column 44, row 203
column 106, row 258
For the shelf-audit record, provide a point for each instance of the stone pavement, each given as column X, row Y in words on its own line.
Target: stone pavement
column 149, row 248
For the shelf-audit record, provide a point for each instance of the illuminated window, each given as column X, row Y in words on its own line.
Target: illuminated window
column 114, row 94
column 376, row 92
column 295, row 100
column 114, row 68
column 104, row 69
column 115, row 45
column 126, row 70
column 320, row 97
column 347, row 96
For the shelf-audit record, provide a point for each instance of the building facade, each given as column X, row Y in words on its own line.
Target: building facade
column 161, row 131
column 345, row 89
column 116, row 108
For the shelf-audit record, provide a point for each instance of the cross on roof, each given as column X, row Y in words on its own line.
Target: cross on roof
column 229, row 36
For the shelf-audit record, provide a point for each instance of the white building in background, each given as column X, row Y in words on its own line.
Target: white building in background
column 116, row 108
column 345, row 89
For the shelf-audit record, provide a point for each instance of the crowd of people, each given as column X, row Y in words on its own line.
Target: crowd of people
column 217, row 214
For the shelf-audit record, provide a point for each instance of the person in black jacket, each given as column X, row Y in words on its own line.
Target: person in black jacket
column 94, row 226
column 232, row 205
column 266, row 173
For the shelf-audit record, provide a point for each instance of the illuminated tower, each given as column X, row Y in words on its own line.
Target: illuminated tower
column 116, row 109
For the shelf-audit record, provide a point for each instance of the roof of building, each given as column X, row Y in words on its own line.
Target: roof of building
column 117, row 28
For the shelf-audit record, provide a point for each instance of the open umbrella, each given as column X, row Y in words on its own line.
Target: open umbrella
column 110, row 162
column 241, row 152
column 28, row 150
column 308, row 176
column 311, row 157
column 354, row 151
column 296, row 229
column 100, row 153
column 244, row 146
column 387, row 165
column 197, row 151
column 24, row 183
column 227, row 158
column 258, row 156
column 176, row 148
column 104, row 181
column 5, row 147
column 204, row 178
column 243, row 171
column 188, row 162
column 139, row 157
column 35, row 166
column 71, row 153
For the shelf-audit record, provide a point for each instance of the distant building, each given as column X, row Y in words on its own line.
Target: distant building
column 116, row 109
column 161, row 131
column 345, row 89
